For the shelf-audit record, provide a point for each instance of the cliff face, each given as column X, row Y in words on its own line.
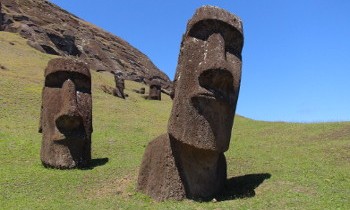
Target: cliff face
column 53, row 30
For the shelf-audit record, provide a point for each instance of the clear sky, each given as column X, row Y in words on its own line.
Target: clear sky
column 296, row 55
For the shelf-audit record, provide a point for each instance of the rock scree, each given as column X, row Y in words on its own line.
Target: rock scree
column 52, row 30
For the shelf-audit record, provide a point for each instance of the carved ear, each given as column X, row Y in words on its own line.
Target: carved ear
column 172, row 94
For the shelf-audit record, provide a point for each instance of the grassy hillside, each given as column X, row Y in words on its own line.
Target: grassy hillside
column 271, row 165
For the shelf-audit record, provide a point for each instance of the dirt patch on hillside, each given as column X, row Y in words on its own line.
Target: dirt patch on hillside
column 341, row 133
column 109, row 188
column 340, row 154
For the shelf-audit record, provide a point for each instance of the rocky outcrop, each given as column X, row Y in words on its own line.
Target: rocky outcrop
column 53, row 30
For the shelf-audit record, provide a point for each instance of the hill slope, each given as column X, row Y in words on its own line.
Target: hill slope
column 53, row 30
column 271, row 165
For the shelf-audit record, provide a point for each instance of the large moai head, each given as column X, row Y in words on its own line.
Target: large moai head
column 207, row 80
column 155, row 88
column 66, row 114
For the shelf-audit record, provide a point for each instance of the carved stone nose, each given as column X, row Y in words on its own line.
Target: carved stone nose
column 216, row 48
column 68, row 118
column 219, row 82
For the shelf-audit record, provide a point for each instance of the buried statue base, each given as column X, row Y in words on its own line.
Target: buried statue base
column 173, row 170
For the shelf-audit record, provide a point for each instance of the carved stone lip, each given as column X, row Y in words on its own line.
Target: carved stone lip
column 60, row 140
column 213, row 96
column 60, row 137
column 208, row 95
column 68, row 140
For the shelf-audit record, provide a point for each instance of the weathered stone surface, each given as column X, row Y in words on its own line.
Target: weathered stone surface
column 159, row 176
column 66, row 114
column 53, row 30
column 205, row 94
column 155, row 90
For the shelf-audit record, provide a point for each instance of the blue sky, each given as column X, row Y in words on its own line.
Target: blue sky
column 296, row 55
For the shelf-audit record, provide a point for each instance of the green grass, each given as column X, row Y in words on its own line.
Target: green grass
column 308, row 164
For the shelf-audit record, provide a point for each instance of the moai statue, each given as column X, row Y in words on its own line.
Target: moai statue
column 66, row 115
column 155, row 89
column 189, row 161
column 140, row 91
column 119, row 85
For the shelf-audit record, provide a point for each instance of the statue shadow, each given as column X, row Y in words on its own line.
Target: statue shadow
column 242, row 186
column 95, row 163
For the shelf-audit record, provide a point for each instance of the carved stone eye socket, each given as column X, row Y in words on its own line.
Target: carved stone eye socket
column 232, row 37
column 219, row 82
column 55, row 80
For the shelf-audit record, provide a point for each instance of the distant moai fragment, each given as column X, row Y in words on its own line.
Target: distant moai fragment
column 155, row 90
column 1, row 18
column 189, row 160
column 119, row 84
column 140, row 91
column 66, row 115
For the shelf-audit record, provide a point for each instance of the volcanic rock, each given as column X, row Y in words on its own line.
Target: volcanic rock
column 52, row 30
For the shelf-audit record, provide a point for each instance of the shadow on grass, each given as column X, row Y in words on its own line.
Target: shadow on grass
column 242, row 186
column 96, row 162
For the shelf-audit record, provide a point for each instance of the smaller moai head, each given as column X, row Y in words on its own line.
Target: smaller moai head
column 207, row 80
column 66, row 114
column 120, row 83
column 155, row 88
column 119, row 79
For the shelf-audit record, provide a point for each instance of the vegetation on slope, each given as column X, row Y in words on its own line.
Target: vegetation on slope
column 271, row 165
